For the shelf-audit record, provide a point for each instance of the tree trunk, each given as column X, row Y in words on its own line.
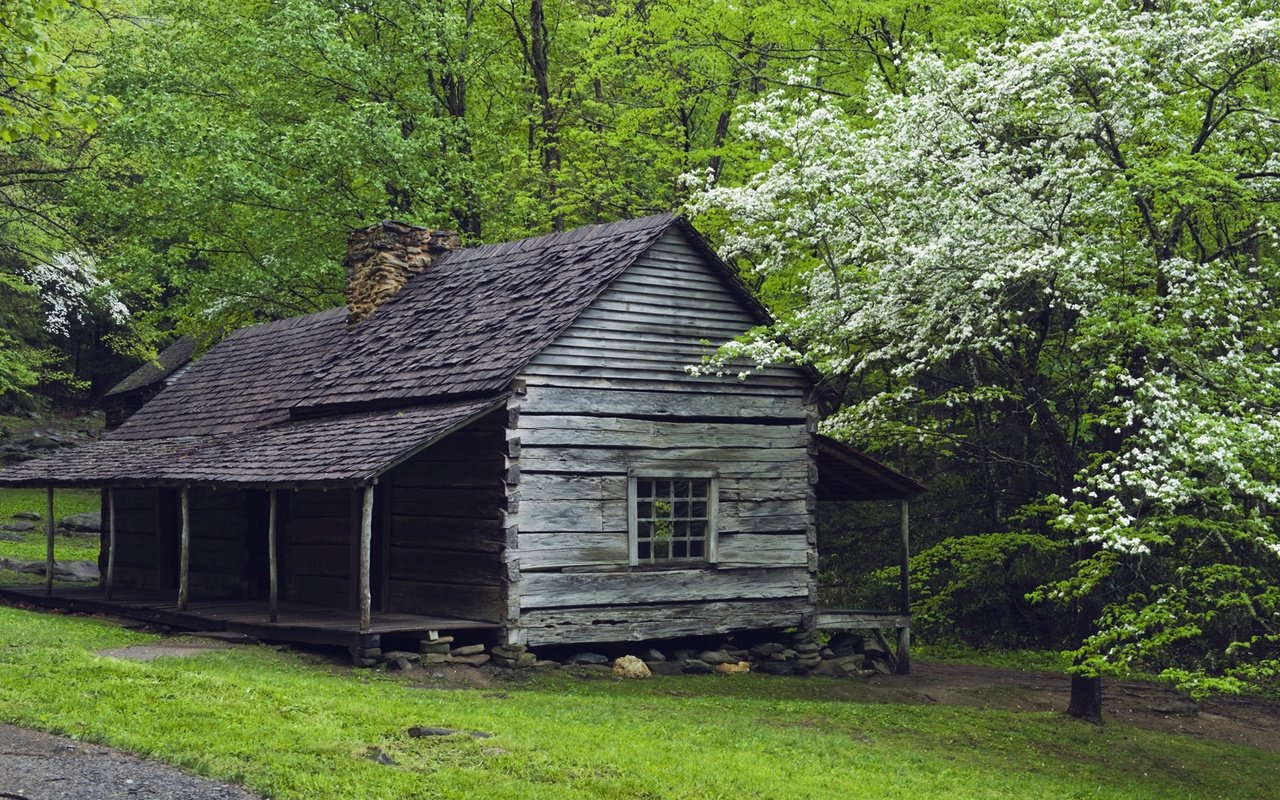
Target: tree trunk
column 1086, row 692
column 1086, row 699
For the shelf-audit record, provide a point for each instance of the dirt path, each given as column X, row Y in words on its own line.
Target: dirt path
column 1242, row 720
column 37, row 766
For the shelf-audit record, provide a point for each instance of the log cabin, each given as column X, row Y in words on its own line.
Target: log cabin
column 502, row 438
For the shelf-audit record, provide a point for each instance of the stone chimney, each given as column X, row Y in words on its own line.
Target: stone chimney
column 382, row 257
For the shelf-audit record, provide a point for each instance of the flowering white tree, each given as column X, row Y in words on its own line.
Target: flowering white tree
column 73, row 292
column 1080, row 222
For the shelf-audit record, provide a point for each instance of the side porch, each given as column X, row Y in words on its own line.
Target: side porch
column 401, row 540
column 295, row 623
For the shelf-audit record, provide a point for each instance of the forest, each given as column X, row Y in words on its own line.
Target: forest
column 1032, row 248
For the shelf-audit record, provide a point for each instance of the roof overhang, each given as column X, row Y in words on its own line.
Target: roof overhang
column 346, row 450
column 848, row 474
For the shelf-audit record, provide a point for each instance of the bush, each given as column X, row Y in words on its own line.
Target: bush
column 972, row 590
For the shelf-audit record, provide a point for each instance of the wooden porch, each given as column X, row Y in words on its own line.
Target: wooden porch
column 297, row 623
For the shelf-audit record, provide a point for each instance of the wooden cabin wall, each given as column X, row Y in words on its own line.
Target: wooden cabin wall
column 612, row 394
column 137, row 520
column 315, row 534
column 222, row 524
column 446, row 511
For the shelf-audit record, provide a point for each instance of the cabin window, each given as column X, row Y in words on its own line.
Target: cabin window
column 672, row 518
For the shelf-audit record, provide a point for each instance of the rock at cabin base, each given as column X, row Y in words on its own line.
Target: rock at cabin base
column 653, row 654
column 664, row 668
column 467, row 650
column 767, row 649
column 845, row 644
column 716, row 657
column 630, row 667
column 587, row 658
column 472, row 660
column 21, row 526
column 30, row 515
column 781, row 668
column 695, row 667
column 733, row 669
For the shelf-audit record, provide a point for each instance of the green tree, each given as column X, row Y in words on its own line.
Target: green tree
column 48, row 117
column 1067, row 240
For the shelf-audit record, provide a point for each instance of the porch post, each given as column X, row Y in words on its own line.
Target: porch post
column 111, row 541
column 904, row 596
column 48, row 548
column 366, row 546
column 271, row 556
column 184, row 560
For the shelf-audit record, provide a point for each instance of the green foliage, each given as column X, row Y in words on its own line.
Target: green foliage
column 973, row 590
column 290, row 728
column 1052, row 661
column 1055, row 261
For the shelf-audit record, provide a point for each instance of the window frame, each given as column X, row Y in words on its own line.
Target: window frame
column 713, row 516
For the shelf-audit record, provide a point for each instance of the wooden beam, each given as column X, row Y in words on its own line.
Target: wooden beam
column 848, row 619
column 904, row 575
column 366, row 546
column 48, row 550
column 271, row 557
column 111, row 542
column 184, row 558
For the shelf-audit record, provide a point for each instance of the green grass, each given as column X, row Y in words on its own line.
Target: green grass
column 1026, row 660
column 292, row 728
column 65, row 502
column 32, row 545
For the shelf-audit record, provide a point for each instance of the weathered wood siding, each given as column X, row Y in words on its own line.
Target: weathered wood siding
column 445, row 508
column 612, row 394
column 223, row 541
column 316, row 551
column 136, row 541
column 221, row 556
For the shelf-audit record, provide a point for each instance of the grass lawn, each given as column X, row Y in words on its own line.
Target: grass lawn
column 290, row 727
column 32, row 545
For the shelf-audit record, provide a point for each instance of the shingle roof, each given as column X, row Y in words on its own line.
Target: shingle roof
column 240, row 383
column 458, row 332
column 342, row 450
column 166, row 362
column 476, row 317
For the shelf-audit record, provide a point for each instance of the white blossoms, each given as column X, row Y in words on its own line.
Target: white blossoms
column 72, row 291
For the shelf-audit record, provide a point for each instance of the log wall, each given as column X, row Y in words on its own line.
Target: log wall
column 315, row 535
column 612, row 395
column 222, row 563
column 445, row 509
column 137, row 521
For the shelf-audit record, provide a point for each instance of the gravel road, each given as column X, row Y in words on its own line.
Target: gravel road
column 37, row 766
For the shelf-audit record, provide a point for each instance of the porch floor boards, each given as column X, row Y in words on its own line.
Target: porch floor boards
column 298, row 622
